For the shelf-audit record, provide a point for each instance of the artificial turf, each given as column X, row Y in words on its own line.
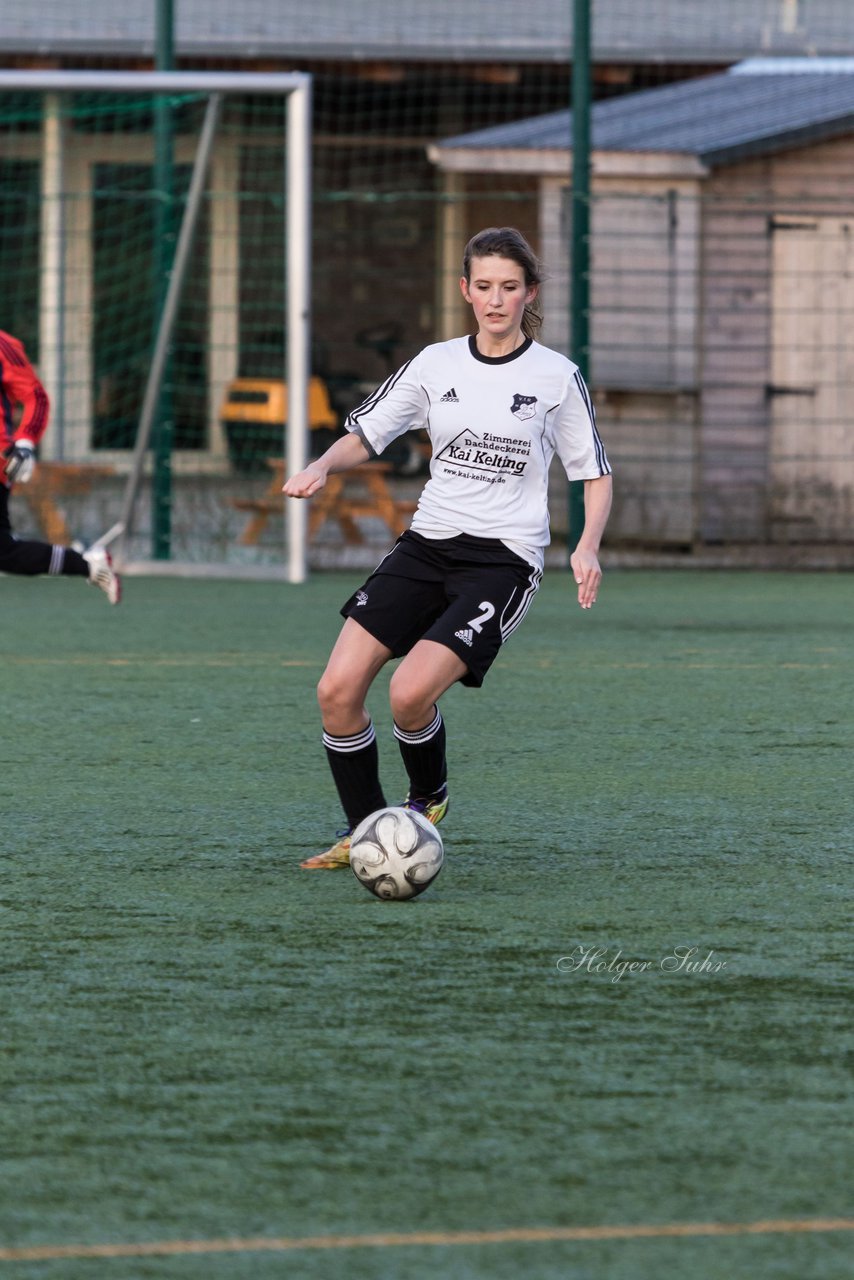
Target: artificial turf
column 199, row 1040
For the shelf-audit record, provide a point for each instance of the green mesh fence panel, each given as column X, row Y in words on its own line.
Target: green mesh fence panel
column 721, row 221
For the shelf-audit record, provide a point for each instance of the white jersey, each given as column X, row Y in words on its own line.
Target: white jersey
column 494, row 426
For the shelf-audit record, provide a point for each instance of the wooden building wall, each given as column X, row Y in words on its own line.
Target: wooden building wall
column 776, row 445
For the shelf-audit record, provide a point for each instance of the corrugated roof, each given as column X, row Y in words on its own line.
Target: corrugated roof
column 718, row 118
column 623, row 30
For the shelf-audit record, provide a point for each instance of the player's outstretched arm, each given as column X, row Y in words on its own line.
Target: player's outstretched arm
column 342, row 455
column 585, row 557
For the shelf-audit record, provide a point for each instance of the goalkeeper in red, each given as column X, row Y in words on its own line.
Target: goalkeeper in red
column 24, row 412
column 497, row 406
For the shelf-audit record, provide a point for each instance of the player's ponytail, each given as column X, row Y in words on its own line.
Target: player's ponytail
column 507, row 242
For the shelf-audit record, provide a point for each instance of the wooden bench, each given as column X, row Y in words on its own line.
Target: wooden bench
column 346, row 497
column 52, row 480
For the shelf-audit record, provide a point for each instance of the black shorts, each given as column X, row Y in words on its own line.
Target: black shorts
column 5, row 522
column 469, row 594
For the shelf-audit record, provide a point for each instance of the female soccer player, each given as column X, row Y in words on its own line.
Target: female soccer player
column 457, row 584
column 23, row 420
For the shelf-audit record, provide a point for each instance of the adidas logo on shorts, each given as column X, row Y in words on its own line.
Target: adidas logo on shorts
column 450, row 397
column 466, row 635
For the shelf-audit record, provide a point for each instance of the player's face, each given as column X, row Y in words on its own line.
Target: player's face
column 498, row 295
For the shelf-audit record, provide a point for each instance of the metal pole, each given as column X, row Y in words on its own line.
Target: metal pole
column 170, row 311
column 51, row 293
column 298, row 259
column 580, row 249
column 164, row 248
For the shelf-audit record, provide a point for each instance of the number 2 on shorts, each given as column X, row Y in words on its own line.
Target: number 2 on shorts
column 476, row 624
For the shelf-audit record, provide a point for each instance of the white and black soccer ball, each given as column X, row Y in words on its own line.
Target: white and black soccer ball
column 396, row 853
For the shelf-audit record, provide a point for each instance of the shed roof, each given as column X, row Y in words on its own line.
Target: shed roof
column 755, row 108
column 539, row 30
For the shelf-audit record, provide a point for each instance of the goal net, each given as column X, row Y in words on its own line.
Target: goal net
column 154, row 260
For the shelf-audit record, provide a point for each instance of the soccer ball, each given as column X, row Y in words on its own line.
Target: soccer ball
column 396, row 853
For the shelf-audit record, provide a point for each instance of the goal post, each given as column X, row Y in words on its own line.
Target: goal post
column 67, row 293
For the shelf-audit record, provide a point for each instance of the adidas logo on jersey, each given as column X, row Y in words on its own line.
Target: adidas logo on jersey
column 450, row 397
column 465, row 634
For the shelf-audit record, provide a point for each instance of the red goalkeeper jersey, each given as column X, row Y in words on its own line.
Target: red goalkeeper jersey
column 19, row 386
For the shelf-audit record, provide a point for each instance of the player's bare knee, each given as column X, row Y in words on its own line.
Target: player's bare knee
column 411, row 704
column 338, row 700
column 329, row 693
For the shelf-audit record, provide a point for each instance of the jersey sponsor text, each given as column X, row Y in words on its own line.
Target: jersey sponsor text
column 490, row 453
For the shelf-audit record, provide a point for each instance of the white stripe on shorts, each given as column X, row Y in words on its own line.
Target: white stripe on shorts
column 509, row 624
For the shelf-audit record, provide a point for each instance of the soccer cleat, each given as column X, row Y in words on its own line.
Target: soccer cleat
column 102, row 574
column 433, row 807
column 337, row 856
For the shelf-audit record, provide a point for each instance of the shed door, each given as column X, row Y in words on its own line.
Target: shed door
column 812, row 379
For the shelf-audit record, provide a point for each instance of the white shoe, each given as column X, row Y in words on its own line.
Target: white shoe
column 102, row 574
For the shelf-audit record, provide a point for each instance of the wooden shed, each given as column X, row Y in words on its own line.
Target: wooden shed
column 722, row 292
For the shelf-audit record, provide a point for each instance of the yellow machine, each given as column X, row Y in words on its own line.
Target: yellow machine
column 254, row 413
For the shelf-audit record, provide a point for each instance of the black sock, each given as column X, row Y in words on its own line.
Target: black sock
column 34, row 558
column 355, row 765
column 73, row 564
column 423, row 752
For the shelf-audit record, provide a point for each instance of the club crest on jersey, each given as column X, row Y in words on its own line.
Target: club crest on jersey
column 523, row 406
column 361, row 597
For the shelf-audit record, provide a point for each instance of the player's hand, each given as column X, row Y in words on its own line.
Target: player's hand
column 21, row 461
column 587, row 574
column 305, row 483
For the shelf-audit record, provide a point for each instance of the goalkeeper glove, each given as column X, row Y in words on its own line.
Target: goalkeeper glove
column 21, row 461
